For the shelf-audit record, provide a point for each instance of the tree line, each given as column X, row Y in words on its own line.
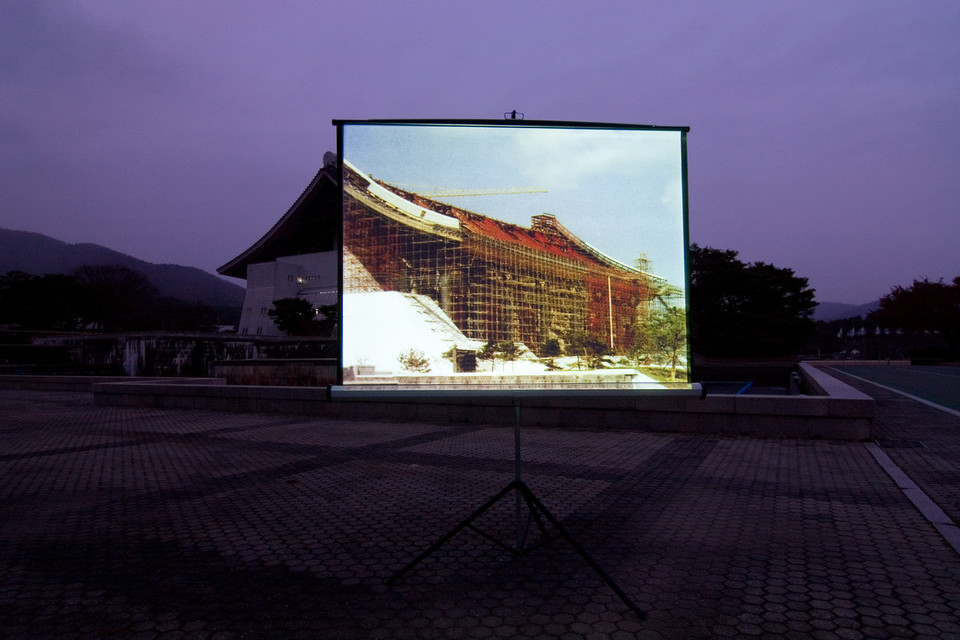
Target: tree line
column 747, row 310
column 737, row 310
column 921, row 322
column 925, row 306
column 100, row 298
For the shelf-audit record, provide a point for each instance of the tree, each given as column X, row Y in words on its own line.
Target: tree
column 508, row 351
column 114, row 298
column 172, row 314
column 924, row 306
column 413, row 360
column 586, row 347
column 746, row 309
column 505, row 350
column 331, row 316
column 550, row 350
column 293, row 316
column 489, row 352
column 39, row 302
column 662, row 338
column 100, row 297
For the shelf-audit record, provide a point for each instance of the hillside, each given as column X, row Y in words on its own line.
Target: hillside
column 829, row 311
column 38, row 254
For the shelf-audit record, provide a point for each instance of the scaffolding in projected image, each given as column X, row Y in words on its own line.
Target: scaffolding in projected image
column 495, row 280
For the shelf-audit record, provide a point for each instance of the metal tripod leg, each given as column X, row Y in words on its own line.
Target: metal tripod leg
column 532, row 498
column 453, row 532
column 537, row 509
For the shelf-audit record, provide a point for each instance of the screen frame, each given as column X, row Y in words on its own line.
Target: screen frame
column 519, row 123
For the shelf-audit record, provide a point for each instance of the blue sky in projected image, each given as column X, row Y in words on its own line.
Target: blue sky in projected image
column 618, row 189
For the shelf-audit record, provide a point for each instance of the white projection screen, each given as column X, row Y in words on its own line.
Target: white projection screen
column 513, row 255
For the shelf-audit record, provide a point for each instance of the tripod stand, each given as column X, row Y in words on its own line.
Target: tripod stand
column 540, row 515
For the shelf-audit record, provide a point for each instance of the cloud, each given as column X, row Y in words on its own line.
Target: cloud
column 565, row 159
column 672, row 196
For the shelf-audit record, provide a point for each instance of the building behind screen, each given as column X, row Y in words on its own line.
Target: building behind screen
column 496, row 281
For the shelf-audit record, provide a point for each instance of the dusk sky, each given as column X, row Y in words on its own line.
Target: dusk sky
column 824, row 136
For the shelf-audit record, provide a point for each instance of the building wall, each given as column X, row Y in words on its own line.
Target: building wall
column 311, row 276
column 494, row 289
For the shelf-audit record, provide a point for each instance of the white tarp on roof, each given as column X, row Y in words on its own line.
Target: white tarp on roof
column 379, row 326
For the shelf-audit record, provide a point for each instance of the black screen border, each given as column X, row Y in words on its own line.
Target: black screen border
column 517, row 123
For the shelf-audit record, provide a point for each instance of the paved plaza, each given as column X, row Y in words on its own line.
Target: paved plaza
column 162, row 524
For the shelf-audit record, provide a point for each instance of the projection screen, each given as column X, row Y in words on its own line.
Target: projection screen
column 513, row 255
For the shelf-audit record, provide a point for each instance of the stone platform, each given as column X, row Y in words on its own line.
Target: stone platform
column 837, row 412
column 150, row 523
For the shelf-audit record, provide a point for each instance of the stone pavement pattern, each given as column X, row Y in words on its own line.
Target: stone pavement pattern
column 134, row 523
column 922, row 440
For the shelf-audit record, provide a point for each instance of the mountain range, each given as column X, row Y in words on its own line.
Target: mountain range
column 827, row 311
column 38, row 254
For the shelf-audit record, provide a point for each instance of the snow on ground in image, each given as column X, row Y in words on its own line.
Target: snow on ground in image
column 380, row 326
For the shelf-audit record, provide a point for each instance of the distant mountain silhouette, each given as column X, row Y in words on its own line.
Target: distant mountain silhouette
column 38, row 254
column 828, row 311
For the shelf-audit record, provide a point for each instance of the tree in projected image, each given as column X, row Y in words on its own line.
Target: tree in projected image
column 589, row 350
column 661, row 340
column 550, row 350
column 414, row 361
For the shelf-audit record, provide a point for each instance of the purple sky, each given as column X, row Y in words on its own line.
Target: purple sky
column 825, row 136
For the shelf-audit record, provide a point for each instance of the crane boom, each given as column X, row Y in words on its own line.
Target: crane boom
column 437, row 192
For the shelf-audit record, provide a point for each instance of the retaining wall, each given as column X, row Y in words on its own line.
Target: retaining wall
column 842, row 413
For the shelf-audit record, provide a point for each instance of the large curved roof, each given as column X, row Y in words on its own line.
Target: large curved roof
column 308, row 226
column 546, row 234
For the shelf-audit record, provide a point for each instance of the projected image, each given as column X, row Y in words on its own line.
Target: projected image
column 491, row 256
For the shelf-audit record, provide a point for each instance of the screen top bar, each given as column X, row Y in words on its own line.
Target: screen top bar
column 510, row 122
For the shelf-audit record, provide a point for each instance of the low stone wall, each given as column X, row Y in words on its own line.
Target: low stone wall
column 148, row 354
column 608, row 378
column 843, row 414
column 306, row 372
column 839, row 413
column 83, row 384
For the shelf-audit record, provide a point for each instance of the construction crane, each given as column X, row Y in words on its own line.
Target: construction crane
column 437, row 192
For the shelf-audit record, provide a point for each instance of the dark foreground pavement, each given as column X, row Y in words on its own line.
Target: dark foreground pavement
column 132, row 523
